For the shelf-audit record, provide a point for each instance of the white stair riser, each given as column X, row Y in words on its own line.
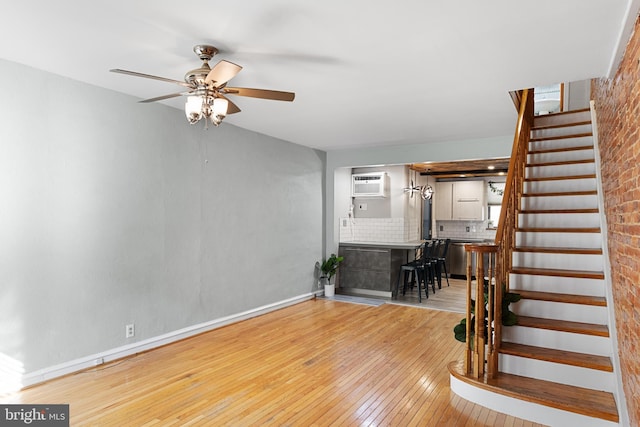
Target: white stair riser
column 562, row 285
column 560, row 170
column 559, row 240
column 560, row 156
column 553, row 144
column 562, row 119
column 557, row 372
column 561, row 131
column 583, row 184
column 567, row 341
column 559, row 202
column 587, row 220
column 561, row 311
column 583, row 262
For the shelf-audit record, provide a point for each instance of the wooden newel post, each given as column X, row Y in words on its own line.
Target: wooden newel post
column 475, row 356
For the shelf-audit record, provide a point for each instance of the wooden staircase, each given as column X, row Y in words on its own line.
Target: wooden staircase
column 558, row 356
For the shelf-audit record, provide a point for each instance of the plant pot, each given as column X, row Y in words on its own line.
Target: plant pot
column 329, row 286
column 329, row 289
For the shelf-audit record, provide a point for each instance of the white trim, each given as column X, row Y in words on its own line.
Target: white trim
column 76, row 365
column 522, row 409
column 618, row 393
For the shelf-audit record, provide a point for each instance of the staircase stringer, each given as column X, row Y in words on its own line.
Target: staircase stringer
column 619, row 393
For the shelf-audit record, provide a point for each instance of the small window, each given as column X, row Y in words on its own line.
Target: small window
column 494, row 215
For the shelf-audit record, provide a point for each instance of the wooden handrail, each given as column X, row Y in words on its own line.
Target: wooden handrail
column 516, row 97
column 508, row 221
column 498, row 256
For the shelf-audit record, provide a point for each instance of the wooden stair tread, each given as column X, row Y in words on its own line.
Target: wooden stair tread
column 583, row 360
column 560, row 163
column 561, row 113
column 557, row 211
column 561, row 149
column 561, row 178
column 564, row 326
column 562, row 194
column 559, row 250
column 586, row 122
column 554, row 138
column 563, row 298
column 558, row 230
column 582, row 274
column 584, row 401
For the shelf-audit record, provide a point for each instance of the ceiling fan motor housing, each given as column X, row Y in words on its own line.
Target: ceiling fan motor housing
column 205, row 53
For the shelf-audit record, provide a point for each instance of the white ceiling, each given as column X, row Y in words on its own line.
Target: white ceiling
column 365, row 72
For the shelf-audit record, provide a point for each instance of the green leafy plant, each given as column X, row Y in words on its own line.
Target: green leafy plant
column 330, row 265
column 509, row 318
column 494, row 189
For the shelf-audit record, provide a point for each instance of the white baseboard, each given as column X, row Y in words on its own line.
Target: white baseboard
column 41, row 375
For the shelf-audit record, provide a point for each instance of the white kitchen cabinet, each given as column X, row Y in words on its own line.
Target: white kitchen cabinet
column 468, row 200
column 443, row 196
column 460, row 200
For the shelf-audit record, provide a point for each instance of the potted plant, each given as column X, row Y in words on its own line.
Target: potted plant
column 329, row 267
column 509, row 318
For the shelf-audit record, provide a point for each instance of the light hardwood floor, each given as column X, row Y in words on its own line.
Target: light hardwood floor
column 449, row 298
column 320, row 363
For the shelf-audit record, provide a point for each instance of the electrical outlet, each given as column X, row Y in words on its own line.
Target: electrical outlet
column 130, row 330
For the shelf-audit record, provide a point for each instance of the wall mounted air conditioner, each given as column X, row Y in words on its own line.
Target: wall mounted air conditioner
column 372, row 184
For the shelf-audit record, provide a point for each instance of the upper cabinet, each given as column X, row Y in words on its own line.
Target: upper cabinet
column 443, row 196
column 468, row 200
column 460, row 200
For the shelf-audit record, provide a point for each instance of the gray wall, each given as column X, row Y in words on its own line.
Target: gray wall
column 114, row 212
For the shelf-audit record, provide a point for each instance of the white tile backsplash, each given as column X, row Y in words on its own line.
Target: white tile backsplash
column 375, row 230
column 404, row 230
column 458, row 230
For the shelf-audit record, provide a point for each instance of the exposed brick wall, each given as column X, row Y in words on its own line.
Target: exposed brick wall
column 617, row 103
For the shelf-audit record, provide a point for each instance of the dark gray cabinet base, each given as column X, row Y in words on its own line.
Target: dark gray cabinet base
column 370, row 269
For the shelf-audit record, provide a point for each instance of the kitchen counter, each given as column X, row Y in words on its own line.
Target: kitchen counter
column 391, row 245
column 371, row 268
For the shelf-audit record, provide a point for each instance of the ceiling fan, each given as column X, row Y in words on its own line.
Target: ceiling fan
column 207, row 88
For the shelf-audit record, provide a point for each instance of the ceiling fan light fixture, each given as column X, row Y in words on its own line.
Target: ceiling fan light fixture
column 205, row 106
column 193, row 108
column 220, row 106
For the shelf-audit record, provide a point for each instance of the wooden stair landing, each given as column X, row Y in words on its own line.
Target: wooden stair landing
column 584, row 401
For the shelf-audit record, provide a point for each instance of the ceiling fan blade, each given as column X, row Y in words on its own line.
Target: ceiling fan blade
column 222, row 72
column 260, row 93
column 149, row 76
column 160, row 98
column 231, row 108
